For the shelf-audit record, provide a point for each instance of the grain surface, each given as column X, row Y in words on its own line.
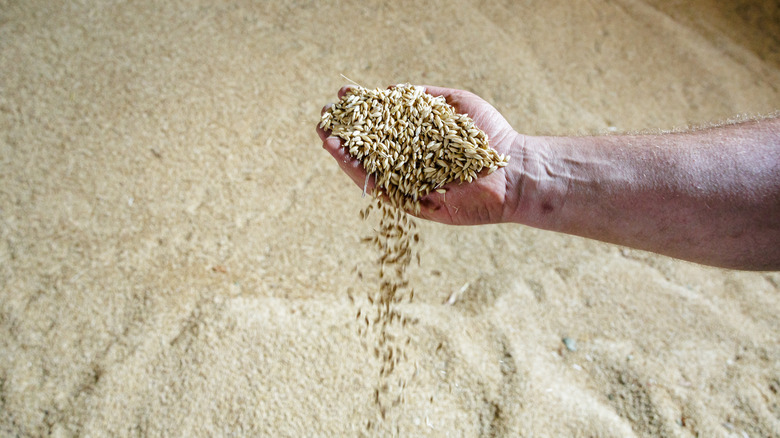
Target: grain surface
column 175, row 246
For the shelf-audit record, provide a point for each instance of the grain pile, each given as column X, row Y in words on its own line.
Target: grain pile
column 145, row 145
column 411, row 143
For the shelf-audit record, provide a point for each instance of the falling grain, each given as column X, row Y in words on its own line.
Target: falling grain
column 411, row 143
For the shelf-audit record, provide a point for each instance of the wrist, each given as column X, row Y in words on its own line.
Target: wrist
column 535, row 187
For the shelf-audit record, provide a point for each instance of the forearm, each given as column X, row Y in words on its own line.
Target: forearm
column 709, row 196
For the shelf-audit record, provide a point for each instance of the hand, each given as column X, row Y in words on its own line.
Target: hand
column 488, row 199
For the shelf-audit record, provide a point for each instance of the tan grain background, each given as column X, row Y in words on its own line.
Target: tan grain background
column 176, row 248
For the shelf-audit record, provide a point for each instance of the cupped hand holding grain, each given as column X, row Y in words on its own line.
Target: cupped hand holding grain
column 707, row 195
column 490, row 198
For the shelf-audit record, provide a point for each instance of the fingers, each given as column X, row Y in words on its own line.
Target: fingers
column 334, row 145
column 321, row 132
column 349, row 165
column 324, row 135
column 344, row 89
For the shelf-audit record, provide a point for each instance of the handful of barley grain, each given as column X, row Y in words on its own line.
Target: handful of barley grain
column 410, row 141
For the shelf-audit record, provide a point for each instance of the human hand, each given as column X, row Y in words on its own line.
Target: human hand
column 488, row 199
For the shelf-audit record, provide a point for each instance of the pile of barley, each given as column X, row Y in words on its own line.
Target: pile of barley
column 411, row 143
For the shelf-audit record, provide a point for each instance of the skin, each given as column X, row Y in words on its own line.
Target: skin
column 709, row 196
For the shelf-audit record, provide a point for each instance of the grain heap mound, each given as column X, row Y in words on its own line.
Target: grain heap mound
column 411, row 143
